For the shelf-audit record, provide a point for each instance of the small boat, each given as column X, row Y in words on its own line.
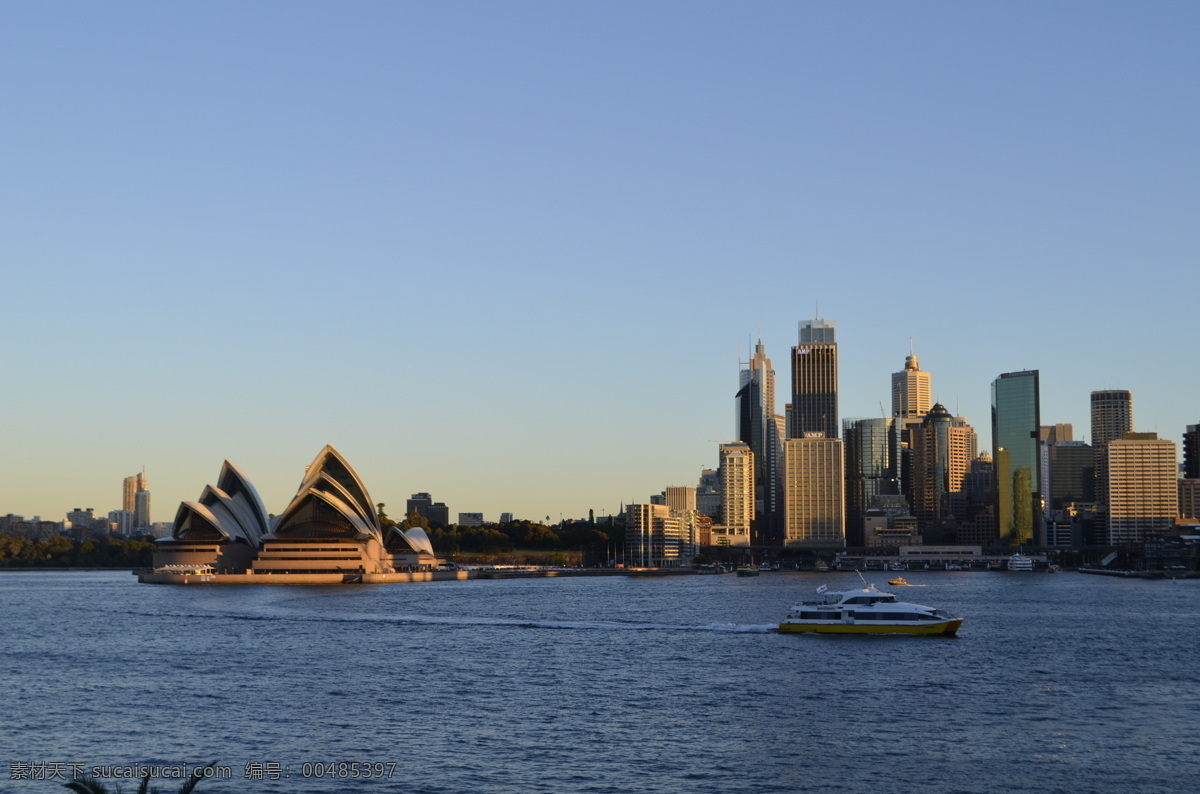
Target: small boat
column 898, row 582
column 747, row 570
column 1019, row 562
column 1053, row 569
column 866, row 611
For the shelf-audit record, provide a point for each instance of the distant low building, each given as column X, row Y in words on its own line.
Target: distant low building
column 470, row 519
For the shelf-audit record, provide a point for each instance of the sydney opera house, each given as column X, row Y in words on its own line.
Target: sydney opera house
column 329, row 532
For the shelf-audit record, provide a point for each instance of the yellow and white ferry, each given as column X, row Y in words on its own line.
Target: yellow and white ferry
column 866, row 611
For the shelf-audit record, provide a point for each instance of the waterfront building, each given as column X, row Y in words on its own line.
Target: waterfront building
column 1049, row 435
column 814, row 493
column 1191, row 452
column 1142, row 487
column 814, row 406
column 737, row 495
column 708, row 494
column 1072, row 474
column 943, row 448
column 757, row 429
column 681, row 501
column 652, row 537
column 1189, row 499
column 1112, row 417
column 870, row 447
column 1016, row 417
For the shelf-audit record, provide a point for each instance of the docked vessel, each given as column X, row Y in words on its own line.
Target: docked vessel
column 866, row 611
column 747, row 570
column 1019, row 562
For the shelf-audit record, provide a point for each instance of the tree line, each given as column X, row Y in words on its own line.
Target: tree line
column 593, row 539
column 62, row 552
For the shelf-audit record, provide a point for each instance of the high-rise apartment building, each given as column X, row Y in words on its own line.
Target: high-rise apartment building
column 813, row 493
column 1142, row 487
column 871, row 469
column 912, row 391
column 1191, row 452
column 1112, row 417
column 131, row 486
column 814, row 406
column 1016, row 417
column 757, row 429
column 737, row 495
column 141, row 510
column 943, row 448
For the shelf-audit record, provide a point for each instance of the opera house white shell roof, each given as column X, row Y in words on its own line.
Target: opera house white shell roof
column 331, row 503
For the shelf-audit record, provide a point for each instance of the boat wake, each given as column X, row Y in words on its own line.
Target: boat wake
column 464, row 621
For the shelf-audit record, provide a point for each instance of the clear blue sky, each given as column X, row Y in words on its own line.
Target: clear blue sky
column 508, row 253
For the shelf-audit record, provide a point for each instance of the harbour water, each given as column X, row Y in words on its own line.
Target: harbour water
column 617, row 684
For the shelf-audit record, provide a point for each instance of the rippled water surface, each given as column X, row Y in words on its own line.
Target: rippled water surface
column 1055, row 683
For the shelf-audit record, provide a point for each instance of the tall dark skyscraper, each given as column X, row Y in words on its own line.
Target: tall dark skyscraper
column 814, row 407
column 1016, row 417
column 1191, row 452
column 1112, row 417
column 758, row 430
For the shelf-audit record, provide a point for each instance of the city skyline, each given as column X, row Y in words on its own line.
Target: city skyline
column 513, row 258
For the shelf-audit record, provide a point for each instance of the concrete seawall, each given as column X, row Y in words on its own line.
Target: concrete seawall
column 393, row 578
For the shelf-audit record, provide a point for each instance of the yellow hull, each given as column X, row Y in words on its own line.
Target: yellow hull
column 946, row 627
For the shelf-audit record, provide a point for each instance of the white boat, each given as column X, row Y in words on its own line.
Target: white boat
column 866, row 611
column 1019, row 562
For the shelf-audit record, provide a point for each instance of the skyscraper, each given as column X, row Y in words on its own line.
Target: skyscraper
column 912, row 391
column 943, row 448
column 757, row 429
column 141, row 510
column 1142, row 487
column 1112, row 417
column 870, row 448
column 737, row 495
column 813, row 493
column 814, row 406
column 131, row 486
column 1191, row 452
column 1016, row 417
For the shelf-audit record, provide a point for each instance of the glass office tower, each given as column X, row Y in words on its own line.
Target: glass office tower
column 1016, row 417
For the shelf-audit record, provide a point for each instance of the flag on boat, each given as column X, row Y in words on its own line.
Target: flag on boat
column 822, row 588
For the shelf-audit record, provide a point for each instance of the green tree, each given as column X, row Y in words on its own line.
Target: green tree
column 384, row 521
column 415, row 519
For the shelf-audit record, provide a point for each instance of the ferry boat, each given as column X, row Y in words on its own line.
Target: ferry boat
column 747, row 570
column 898, row 582
column 866, row 611
column 1019, row 562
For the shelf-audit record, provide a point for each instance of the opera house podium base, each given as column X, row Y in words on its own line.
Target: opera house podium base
column 303, row 578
